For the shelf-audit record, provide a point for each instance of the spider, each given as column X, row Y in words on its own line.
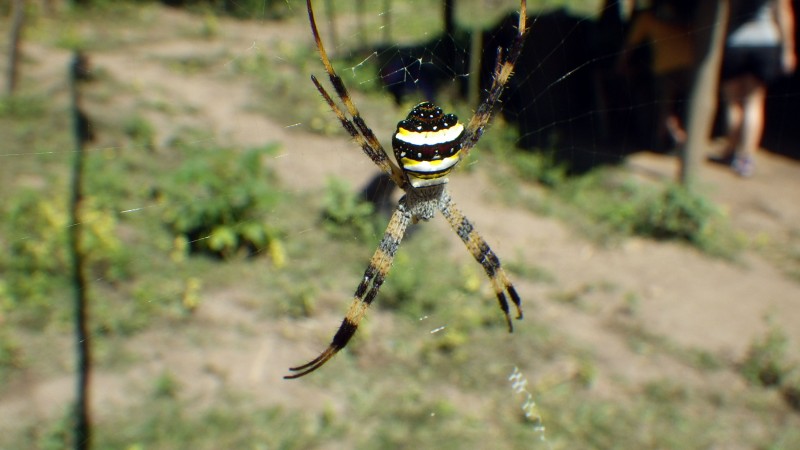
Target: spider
column 427, row 146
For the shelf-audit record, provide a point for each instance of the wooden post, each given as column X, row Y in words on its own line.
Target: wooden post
column 710, row 26
column 80, row 123
column 18, row 21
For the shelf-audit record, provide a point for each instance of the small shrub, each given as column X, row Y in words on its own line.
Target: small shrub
column 58, row 434
column 166, row 386
column 540, row 167
column 216, row 204
column 346, row 214
column 606, row 203
column 37, row 266
column 210, row 27
column 790, row 390
column 40, row 227
column 766, row 362
column 140, row 131
column 675, row 214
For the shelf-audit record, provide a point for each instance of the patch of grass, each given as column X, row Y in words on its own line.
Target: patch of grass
column 415, row 412
column 606, row 204
column 539, row 167
column 276, row 76
column 653, row 420
column 434, row 285
column 140, row 131
column 577, row 295
column 782, row 249
column 163, row 420
column 643, row 341
column 196, row 64
column 530, row 272
column 67, row 30
column 22, row 107
column 10, row 351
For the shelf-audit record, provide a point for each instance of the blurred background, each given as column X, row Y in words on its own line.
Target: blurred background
column 184, row 219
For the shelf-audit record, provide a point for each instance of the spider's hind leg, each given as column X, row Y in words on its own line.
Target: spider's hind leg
column 374, row 276
column 482, row 253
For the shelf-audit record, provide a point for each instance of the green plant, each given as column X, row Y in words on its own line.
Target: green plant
column 166, row 386
column 676, row 213
column 21, row 107
column 58, row 435
column 210, row 27
column 345, row 213
column 140, row 131
column 10, row 353
column 608, row 203
column 217, row 204
column 540, row 167
column 37, row 263
column 766, row 363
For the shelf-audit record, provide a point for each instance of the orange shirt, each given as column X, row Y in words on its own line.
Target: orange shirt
column 673, row 47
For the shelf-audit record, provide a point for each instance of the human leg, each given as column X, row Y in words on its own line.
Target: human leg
column 752, row 125
column 732, row 95
column 754, row 96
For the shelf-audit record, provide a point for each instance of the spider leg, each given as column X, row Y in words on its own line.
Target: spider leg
column 364, row 136
column 504, row 67
column 378, row 157
column 374, row 276
column 484, row 255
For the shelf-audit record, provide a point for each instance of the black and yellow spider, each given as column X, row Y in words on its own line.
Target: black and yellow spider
column 427, row 145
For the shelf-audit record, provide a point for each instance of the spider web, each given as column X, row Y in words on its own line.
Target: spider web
column 388, row 67
column 211, row 86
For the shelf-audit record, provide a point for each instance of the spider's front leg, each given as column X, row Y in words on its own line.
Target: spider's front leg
column 484, row 255
column 374, row 276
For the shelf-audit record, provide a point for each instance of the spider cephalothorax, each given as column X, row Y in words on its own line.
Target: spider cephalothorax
column 427, row 145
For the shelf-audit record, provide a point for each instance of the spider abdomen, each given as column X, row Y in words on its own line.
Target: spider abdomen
column 427, row 144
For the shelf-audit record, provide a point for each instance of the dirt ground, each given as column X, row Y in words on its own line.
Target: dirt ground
column 698, row 301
